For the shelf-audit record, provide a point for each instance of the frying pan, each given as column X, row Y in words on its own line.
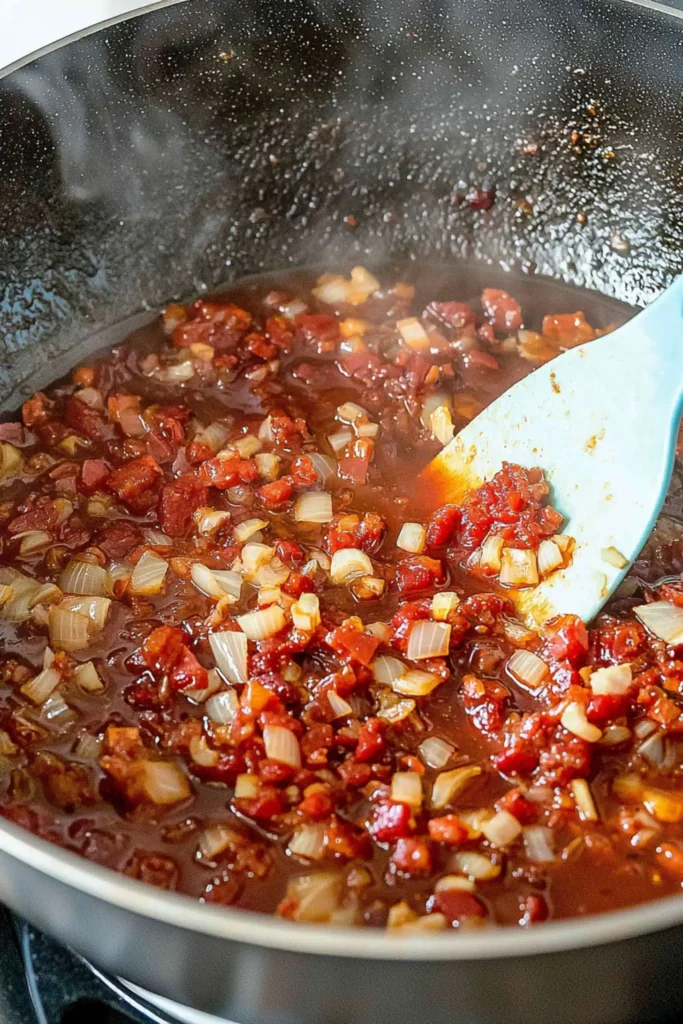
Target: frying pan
column 175, row 151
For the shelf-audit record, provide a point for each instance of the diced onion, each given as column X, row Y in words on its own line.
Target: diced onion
column 340, row 707
column 268, row 465
column 349, row 412
column 324, row 465
column 416, row 683
column 538, row 843
column 39, row 688
column 528, row 668
column 84, row 578
column 230, row 582
column 223, row 706
column 157, row 538
column 616, row 679
column 243, row 531
column 435, row 752
column 564, row 543
column 381, row 630
column 165, row 783
column 11, row 461
column 386, row 669
column 441, row 424
column 6, row 593
column 87, row 677
column 33, row 540
column 614, row 735
column 315, row 898
column 270, row 575
column 282, row 745
column 449, row 882
column 406, row 788
column 247, row 787
column 7, row 745
column 230, row 651
column 663, row 619
column 306, row 612
column 262, row 624
column 502, row 829
column 209, row 520
column 313, row 507
column 265, row 431
column 69, row 631
column 428, row 639
column 94, row 608
column 339, row 440
column 255, row 555
column 583, row 798
column 367, row 588
column 663, row 805
column 177, row 372
column 412, row 537
column 366, row 429
column 614, row 557
column 574, row 720
column 549, row 557
column 148, row 575
column 214, row 436
column 46, row 593
column 518, row 567
column 413, row 333
column 246, row 446
column 202, row 754
column 653, row 750
column 349, row 563
column 308, row 842
column 214, row 840
column 397, row 712
column 447, row 785
column 88, row 748
column 476, row 865
column 443, row 604
column 205, row 582
column 491, row 551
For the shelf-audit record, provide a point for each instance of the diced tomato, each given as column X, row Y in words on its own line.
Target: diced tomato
column 602, row 707
column 227, row 472
column 501, row 309
column 517, row 804
column 418, row 572
column 318, row 805
column 35, row 409
column 370, row 739
column 119, row 537
column 390, row 821
column 136, row 483
column 219, row 324
column 353, row 469
column 43, row 517
column 163, row 648
column 94, row 473
column 344, row 840
column 448, row 829
column 264, row 807
column 456, row 905
column 361, row 646
column 442, row 525
column 85, row 420
column 453, row 314
column 516, row 760
column 567, row 329
column 355, row 774
column 567, row 639
column 412, row 857
column 291, row 553
column 297, row 584
column 187, row 673
column 276, row 493
column 179, row 500
column 317, row 327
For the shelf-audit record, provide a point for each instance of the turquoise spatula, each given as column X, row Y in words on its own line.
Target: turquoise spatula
column 601, row 420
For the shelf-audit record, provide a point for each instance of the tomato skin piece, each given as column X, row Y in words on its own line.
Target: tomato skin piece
column 390, row 821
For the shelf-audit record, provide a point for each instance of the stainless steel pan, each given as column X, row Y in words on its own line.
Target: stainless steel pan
column 202, row 140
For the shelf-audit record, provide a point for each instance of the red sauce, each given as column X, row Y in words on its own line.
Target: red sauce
column 279, row 796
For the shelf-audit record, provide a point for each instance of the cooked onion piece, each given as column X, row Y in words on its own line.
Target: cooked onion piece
column 148, row 575
column 230, row 651
column 435, row 752
column 444, row 604
column 447, row 785
column 428, row 639
column 262, row 624
column 349, row 563
column 412, row 537
column 282, row 745
column 663, row 619
column 528, row 668
column 313, row 507
column 518, row 567
column 615, row 680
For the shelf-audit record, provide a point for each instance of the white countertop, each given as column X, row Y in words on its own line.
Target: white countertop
column 28, row 25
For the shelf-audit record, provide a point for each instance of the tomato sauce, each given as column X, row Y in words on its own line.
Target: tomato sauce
column 315, row 706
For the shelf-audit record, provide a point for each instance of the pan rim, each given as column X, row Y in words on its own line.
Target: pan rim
column 247, row 927
column 262, row 930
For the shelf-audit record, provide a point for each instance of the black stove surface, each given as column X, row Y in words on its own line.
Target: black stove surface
column 42, row 982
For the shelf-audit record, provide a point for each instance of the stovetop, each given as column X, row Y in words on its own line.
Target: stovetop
column 42, row 982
